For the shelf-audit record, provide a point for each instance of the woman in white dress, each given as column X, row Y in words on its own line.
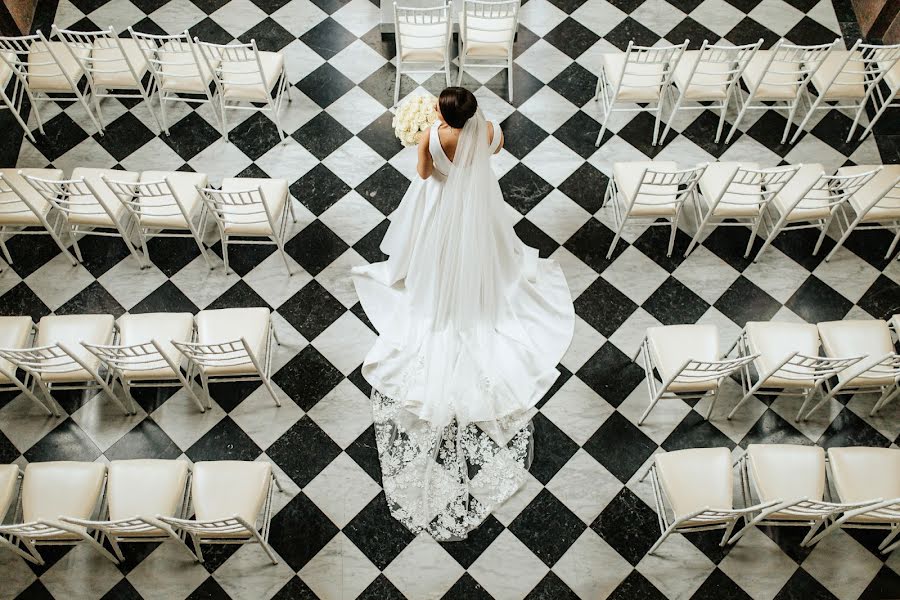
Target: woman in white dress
column 471, row 327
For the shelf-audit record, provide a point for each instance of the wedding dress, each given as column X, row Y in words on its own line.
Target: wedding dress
column 471, row 327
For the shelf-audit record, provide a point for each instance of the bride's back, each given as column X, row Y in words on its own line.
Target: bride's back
column 448, row 137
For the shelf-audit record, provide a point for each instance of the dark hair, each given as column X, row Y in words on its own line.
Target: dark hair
column 457, row 106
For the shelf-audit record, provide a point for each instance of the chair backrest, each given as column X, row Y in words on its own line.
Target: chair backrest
column 491, row 23
column 247, row 207
column 719, row 67
column 868, row 63
column 422, row 29
column 12, row 201
column 831, row 191
column 792, row 65
column 14, row 54
column 108, row 57
column 754, row 186
column 218, row 355
column 137, row 195
column 658, row 187
column 71, row 196
column 33, row 58
column 650, row 67
column 171, row 56
column 800, row 367
column 701, row 372
column 239, row 65
column 148, row 356
column 45, row 360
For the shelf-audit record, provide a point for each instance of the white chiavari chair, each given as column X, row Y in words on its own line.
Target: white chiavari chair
column 423, row 39
column 17, row 333
column 876, row 205
column 14, row 89
column 486, row 34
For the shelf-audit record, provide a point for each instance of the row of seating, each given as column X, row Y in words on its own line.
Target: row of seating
column 776, row 358
column 789, row 485
column 131, row 204
column 81, row 352
column 642, row 78
column 82, row 66
column 768, row 200
column 129, row 501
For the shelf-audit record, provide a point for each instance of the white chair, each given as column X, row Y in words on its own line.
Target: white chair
column 640, row 75
column 59, row 361
column 698, row 486
column 10, row 478
column 876, row 205
column 162, row 204
column 878, row 372
column 145, row 356
column 233, row 344
column 486, row 33
column 423, row 38
column 860, row 474
column 17, row 333
column 138, row 493
column 14, row 89
column 778, row 79
column 810, row 200
column 24, row 211
column 117, row 66
column 647, row 192
column 710, row 74
column 228, row 497
column 787, row 361
column 848, row 78
column 244, row 76
column 794, row 477
column 886, row 95
column 51, row 491
column 49, row 68
column 736, row 194
column 180, row 72
column 250, row 208
column 687, row 359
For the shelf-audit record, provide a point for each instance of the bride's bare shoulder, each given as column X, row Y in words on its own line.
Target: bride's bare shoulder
column 490, row 131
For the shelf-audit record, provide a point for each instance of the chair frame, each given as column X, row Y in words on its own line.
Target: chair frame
column 58, row 193
column 13, row 101
column 130, row 194
column 737, row 58
column 870, row 55
column 243, row 53
column 54, row 230
column 846, row 225
column 881, row 102
column 809, row 59
column 691, row 371
column 795, row 366
column 216, row 203
column 237, row 526
column 683, row 178
column 74, row 39
column 881, row 366
column 25, row 386
column 668, row 56
column 157, row 64
column 839, row 188
column 20, row 48
column 770, row 181
column 230, row 353
column 487, row 9
column 411, row 16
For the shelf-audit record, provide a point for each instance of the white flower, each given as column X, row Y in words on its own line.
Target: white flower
column 414, row 116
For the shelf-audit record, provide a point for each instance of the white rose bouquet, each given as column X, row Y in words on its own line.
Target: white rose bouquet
column 415, row 115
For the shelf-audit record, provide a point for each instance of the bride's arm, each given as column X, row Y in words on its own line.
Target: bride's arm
column 491, row 130
column 426, row 163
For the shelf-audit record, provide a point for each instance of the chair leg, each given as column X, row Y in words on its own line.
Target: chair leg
column 739, row 118
column 671, row 117
column 887, row 540
column 842, row 239
column 510, row 69
column 775, row 231
column 652, row 402
column 824, row 231
column 672, row 235
column 812, row 109
column 790, row 120
column 397, row 84
column 661, row 539
column 712, row 403
column 893, row 245
column 204, row 380
column 615, row 240
column 752, row 238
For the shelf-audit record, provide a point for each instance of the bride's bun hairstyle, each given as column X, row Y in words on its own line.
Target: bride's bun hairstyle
column 457, row 106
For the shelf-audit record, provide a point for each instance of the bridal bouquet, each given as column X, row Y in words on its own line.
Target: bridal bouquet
column 414, row 116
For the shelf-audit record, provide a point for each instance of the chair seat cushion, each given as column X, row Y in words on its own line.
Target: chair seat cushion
column 13, row 211
column 9, row 478
column 787, row 472
column 229, row 324
column 163, row 327
column 162, row 212
column 44, row 77
column 145, row 488
column 892, row 76
column 61, row 489
column 813, row 206
column 709, row 81
column 863, row 473
column 673, row 344
column 775, row 341
column 422, row 42
column 242, row 80
column 858, row 337
column 740, row 200
column 836, row 81
column 111, row 63
column 888, row 207
column 87, row 210
column 227, row 488
column 6, row 71
column 182, row 72
column 696, row 479
column 641, row 83
column 72, row 330
column 663, row 201
column 247, row 219
column 777, row 79
column 14, row 334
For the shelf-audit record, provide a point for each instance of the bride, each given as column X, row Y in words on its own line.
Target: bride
column 471, row 327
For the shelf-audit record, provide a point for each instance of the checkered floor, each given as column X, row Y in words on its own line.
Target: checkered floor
column 582, row 525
